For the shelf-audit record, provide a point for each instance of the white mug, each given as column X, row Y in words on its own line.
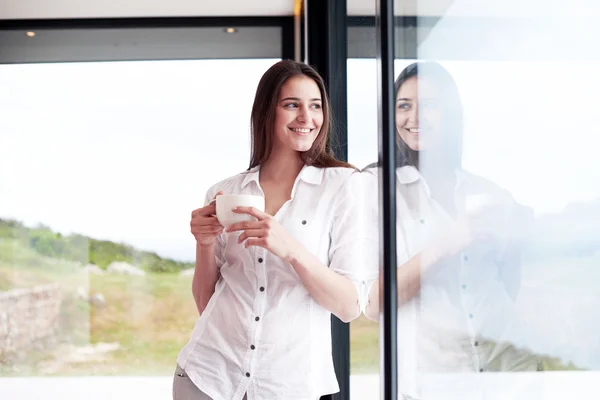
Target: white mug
column 227, row 202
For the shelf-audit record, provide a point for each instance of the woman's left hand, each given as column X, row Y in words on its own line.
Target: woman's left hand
column 266, row 233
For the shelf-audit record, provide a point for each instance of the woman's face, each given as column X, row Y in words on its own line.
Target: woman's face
column 299, row 114
column 419, row 114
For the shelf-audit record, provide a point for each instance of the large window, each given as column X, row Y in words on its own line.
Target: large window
column 101, row 164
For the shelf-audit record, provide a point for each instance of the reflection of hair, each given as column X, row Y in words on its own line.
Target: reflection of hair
column 263, row 116
column 452, row 111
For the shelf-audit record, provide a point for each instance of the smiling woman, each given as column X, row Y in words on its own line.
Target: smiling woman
column 266, row 288
column 292, row 95
column 298, row 120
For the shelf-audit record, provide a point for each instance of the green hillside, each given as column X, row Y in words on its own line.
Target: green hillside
column 79, row 248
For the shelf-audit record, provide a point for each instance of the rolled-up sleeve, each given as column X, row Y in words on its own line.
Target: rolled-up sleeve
column 353, row 251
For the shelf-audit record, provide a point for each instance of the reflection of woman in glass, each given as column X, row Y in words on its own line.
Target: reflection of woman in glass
column 266, row 289
column 458, row 250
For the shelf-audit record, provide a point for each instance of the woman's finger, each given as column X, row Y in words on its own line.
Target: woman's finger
column 251, row 211
column 213, row 201
column 242, row 226
column 260, row 242
column 206, row 211
column 251, row 233
column 207, row 229
column 205, row 221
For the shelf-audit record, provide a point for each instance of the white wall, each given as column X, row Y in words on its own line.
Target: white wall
column 47, row 9
column 34, row 9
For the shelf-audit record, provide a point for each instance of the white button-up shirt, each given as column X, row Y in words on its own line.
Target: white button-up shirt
column 465, row 307
column 262, row 333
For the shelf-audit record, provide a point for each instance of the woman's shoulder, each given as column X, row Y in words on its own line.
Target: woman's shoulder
column 338, row 173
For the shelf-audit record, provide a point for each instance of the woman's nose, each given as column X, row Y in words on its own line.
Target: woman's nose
column 302, row 115
column 413, row 114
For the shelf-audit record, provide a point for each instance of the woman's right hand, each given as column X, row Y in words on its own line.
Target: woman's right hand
column 204, row 224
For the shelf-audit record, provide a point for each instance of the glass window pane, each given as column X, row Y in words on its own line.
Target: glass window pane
column 100, row 167
column 363, row 151
column 496, row 200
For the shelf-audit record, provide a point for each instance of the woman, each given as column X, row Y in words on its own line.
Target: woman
column 458, row 244
column 265, row 290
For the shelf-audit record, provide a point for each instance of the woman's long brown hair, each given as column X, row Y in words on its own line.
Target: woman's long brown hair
column 263, row 117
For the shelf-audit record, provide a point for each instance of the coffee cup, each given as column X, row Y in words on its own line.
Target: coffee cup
column 225, row 203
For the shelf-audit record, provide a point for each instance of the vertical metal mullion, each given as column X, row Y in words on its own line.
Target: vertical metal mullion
column 326, row 32
column 288, row 39
column 387, row 184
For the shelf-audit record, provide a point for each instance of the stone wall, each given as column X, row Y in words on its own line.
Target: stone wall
column 28, row 318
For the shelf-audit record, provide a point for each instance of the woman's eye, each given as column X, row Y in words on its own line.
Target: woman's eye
column 291, row 105
column 316, row 106
column 404, row 106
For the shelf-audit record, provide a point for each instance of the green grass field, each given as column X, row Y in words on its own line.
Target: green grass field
column 150, row 317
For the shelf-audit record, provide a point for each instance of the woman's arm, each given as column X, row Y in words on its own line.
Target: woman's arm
column 408, row 281
column 206, row 275
column 206, row 230
column 409, row 275
column 332, row 291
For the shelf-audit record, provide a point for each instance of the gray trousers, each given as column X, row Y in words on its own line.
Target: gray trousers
column 184, row 388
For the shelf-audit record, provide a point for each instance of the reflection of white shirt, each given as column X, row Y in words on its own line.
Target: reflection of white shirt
column 465, row 305
column 262, row 333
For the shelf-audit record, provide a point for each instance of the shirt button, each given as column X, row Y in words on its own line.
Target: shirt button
column 304, row 222
column 260, row 260
column 466, row 257
column 257, row 319
column 476, row 344
column 480, row 369
column 422, row 220
column 253, row 347
column 464, row 286
column 262, row 289
column 248, row 374
column 471, row 316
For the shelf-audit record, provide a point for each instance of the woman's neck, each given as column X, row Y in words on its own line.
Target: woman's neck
column 281, row 167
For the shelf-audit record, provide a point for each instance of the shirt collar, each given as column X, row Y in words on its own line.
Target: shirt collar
column 312, row 175
column 250, row 176
column 407, row 175
column 308, row 174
